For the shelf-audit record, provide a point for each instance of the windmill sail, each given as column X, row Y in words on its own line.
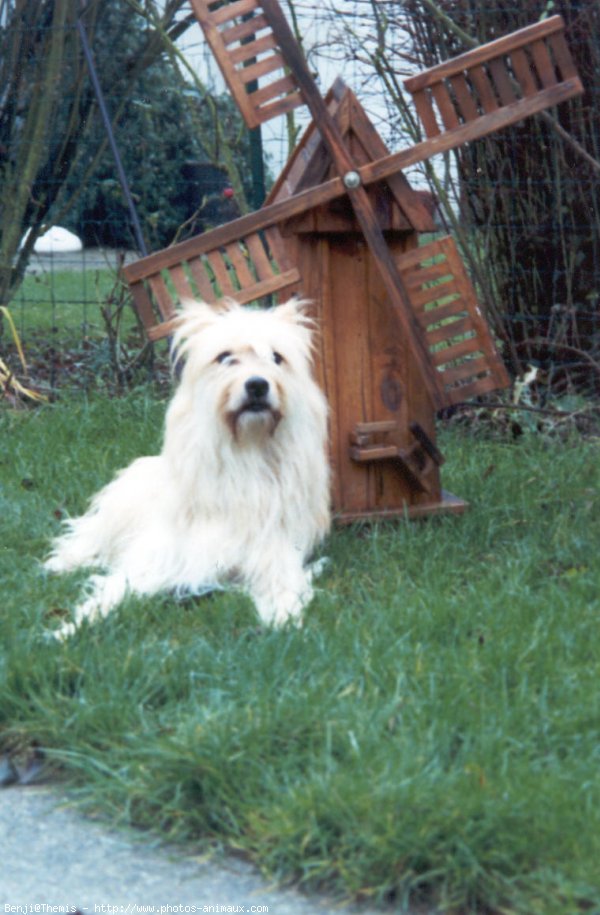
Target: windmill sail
column 250, row 60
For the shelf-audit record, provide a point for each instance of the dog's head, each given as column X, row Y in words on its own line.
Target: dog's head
column 248, row 362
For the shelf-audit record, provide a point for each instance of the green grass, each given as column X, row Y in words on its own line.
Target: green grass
column 62, row 303
column 432, row 733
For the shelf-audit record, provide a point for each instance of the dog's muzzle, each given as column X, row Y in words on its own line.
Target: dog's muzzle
column 258, row 401
column 257, row 395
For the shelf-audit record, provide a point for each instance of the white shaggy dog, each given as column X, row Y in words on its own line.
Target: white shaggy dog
column 239, row 494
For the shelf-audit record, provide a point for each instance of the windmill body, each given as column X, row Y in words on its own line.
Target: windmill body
column 401, row 334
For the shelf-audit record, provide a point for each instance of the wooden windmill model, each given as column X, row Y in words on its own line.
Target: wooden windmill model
column 401, row 333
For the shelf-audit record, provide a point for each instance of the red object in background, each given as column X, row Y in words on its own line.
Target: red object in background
column 228, row 192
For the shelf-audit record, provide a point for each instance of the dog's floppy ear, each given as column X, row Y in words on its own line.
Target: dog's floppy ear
column 296, row 311
column 192, row 318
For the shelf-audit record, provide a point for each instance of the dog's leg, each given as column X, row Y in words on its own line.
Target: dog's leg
column 316, row 568
column 282, row 589
column 106, row 591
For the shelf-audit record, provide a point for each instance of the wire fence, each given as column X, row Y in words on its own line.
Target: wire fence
column 189, row 167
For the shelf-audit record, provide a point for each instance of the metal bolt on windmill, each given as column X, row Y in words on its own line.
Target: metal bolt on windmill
column 401, row 334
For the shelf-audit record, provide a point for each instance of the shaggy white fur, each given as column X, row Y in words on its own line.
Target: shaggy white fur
column 239, row 495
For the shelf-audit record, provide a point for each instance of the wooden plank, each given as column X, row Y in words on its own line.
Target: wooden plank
column 415, row 279
column 446, row 504
column 426, row 113
column 229, row 11
column 373, row 452
column 463, row 97
column 562, row 56
column 240, row 265
column 243, row 30
column 523, row 73
column 252, row 49
column 209, row 21
column 261, row 68
column 447, row 354
column 281, row 106
column 181, row 282
column 504, row 85
column 201, row 279
column 543, row 64
column 376, row 428
column 162, row 330
column 258, row 255
column 143, row 304
column 447, row 310
column 450, row 331
column 162, row 295
column 424, row 297
column 470, row 131
column 427, row 444
column 468, row 369
column 278, row 87
column 444, row 104
column 275, row 283
column 480, row 326
column 222, row 276
column 463, row 393
column 485, row 91
column 484, row 53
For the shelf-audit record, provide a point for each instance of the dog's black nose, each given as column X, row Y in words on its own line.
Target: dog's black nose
column 257, row 388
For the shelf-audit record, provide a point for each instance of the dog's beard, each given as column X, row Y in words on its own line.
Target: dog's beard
column 253, row 419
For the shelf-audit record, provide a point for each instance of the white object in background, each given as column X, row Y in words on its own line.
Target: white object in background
column 56, row 241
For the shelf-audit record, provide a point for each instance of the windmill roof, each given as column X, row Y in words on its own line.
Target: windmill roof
column 310, row 163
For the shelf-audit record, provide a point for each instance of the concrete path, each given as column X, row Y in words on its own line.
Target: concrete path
column 54, row 860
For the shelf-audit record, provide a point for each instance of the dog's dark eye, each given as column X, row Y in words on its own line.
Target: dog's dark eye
column 223, row 356
column 278, row 358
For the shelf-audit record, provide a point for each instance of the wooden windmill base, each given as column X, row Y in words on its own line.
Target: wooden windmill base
column 385, row 463
column 448, row 504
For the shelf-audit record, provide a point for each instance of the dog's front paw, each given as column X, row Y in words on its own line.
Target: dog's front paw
column 318, row 567
column 285, row 606
column 63, row 632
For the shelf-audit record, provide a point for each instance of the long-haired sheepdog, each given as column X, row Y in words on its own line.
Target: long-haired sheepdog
column 239, row 494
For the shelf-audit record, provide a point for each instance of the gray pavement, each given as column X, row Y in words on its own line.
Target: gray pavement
column 55, row 860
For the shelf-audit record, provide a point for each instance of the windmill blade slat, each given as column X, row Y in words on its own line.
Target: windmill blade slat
column 496, row 84
column 201, row 278
column 253, row 71
column 225, row 12
column 181, row 282
column 506, row 87
column 543, row 63
column 247, row 268
column 562, row 55
column 281, row 86
column 234, row 32
column 464, row 97
column 460, row 343
column 470, row 130
column 484, row 53
column 461, row 326
column 484, row 89
column 443, row 102
column 252, row 48
column 248, row 28
column 523, row 72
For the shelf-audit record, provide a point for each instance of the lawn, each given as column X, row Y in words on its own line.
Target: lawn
column 432, row 734
column 66, row 303
column 77, row 327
